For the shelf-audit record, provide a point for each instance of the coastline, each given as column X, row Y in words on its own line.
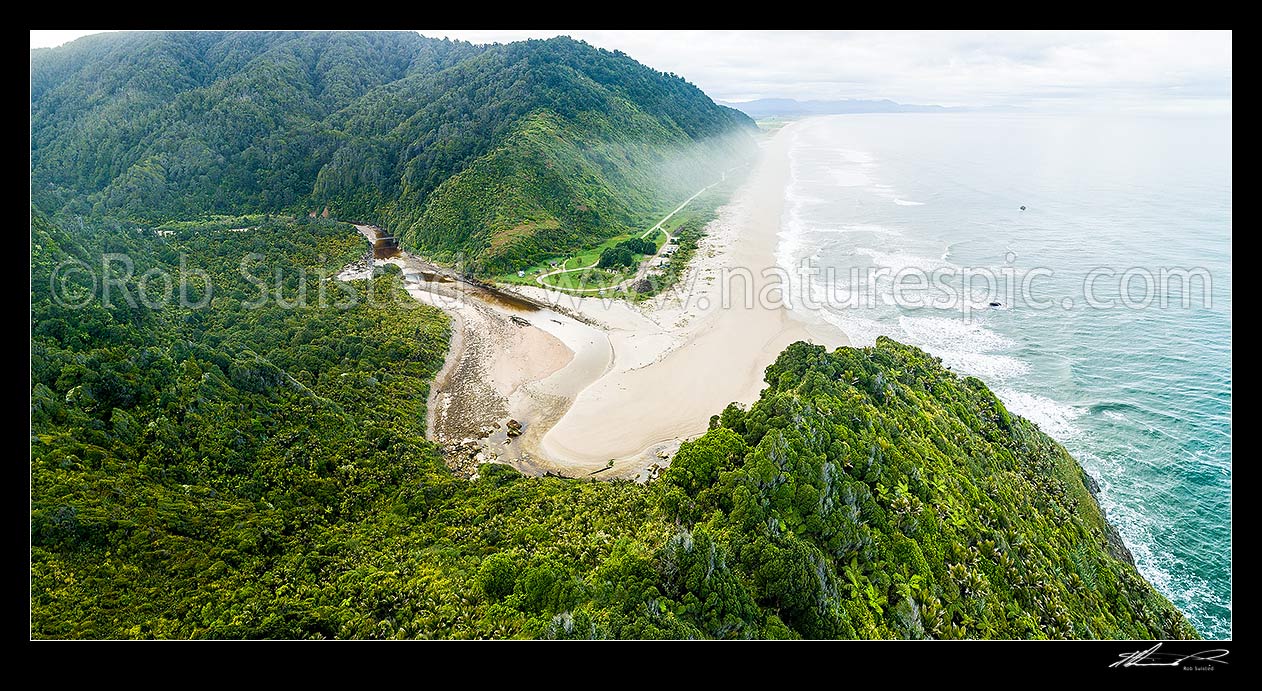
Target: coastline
column 603, row 387
column 685, row 356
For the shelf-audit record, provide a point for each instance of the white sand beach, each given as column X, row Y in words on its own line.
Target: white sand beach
column 686, row 356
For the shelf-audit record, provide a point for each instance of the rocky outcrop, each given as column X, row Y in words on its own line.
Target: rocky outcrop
column 1117, row 546
column 465, row 456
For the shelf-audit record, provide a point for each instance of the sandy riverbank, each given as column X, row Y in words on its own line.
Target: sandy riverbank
column 498, row 357
column 504, row 363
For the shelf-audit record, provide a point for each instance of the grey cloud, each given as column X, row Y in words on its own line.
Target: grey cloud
column 971, row 68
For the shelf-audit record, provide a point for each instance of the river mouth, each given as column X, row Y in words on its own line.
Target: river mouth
column 432, row 277
column 505, row 300
column 385, row 248
column 428, row 278
column 482, row 291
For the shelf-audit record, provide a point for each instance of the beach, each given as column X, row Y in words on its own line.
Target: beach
column 606, row 388
column 687, row 356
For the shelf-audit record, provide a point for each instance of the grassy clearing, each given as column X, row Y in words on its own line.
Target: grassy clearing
column 591, row 256
column 584, row 258
column 585, row 280
column 579, row 260
column 695, row 214
column 532, row 272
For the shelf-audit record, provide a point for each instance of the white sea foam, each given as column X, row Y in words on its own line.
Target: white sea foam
column 853, row 228
column 797, row 198
column 955, row 334
column 885, row 191
column 870, row 228
column 898, row 261
column 1054, row 418
column 965, row 346
column 1137, row 530
column 792, row 227
column 860, row 331
column 853, row 156
column 790, row 243
column 990, row 367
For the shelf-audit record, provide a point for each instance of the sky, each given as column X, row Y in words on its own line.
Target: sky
column 1043, row 70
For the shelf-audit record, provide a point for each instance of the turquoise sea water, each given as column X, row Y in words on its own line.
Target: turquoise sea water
column 1141, row 395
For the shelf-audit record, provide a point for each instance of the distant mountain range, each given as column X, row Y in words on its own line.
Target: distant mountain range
column 788, row 107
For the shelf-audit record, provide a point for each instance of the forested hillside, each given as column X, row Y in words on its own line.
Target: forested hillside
column 242, row 454
column 499, row 154
column 239, row 469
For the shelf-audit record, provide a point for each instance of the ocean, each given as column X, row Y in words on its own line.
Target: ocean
column 1119, row 345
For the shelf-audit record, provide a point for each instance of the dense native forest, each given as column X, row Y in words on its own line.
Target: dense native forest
column 494, row 156
column 251, row 468
column 242, row 453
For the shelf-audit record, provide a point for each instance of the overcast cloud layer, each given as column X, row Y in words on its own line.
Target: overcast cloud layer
column 1104, row 70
